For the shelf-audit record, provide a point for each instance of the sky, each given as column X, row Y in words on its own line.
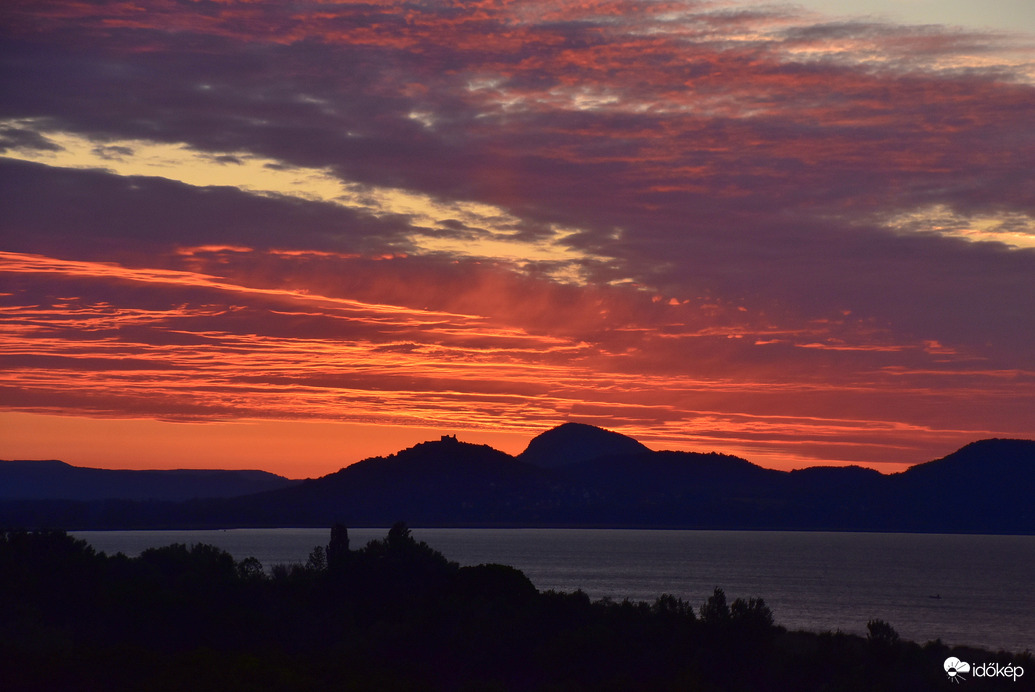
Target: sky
column 290, row 236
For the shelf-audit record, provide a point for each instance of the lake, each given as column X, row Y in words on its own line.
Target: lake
column 963, row 589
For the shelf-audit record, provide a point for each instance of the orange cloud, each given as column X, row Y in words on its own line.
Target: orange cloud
column 501, row 353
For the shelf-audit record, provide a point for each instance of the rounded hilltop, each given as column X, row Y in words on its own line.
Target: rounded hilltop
column 572, row 443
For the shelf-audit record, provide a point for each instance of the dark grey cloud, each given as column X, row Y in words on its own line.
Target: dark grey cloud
column 97, row 215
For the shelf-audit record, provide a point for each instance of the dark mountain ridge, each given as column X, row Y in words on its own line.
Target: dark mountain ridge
column 442, row 481
column 985, row 487
column 56, row 480
column 571, row 443
column 978, row 488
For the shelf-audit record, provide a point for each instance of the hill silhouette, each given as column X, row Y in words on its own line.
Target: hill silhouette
column 441, row 481
column 571, row 443
column 985, row 487
column 979, row 488
column 53, row 480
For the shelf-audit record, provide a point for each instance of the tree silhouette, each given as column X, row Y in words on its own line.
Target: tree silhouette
column 338, row 549
column 881, row 633
column 752, row 613
column 317, row 561
column 250, row 569
column 399, row 536
column 716, row 611
column 667, row 604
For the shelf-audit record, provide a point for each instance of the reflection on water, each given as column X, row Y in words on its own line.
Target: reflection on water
column 962, row 589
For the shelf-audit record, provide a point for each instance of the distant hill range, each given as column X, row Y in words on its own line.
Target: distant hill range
column 582, row 476
column 56, row 480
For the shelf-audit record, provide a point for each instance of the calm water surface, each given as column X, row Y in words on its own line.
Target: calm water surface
column 811, row 580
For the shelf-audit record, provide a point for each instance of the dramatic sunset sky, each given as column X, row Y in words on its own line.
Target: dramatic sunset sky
column 291, row 235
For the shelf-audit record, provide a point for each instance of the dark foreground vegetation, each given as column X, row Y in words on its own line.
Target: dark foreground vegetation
column 396, row 615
